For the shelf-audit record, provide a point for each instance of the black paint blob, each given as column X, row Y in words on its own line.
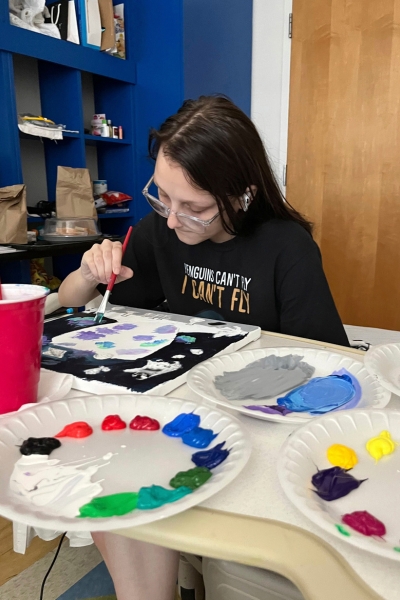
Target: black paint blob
column 44, row 445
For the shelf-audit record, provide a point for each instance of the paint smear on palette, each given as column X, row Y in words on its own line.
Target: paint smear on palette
column 122, row 341
column 264, row 378
column 320, row 395
column 56, row 488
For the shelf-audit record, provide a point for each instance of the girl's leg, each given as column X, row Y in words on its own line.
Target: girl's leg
column 140, row 571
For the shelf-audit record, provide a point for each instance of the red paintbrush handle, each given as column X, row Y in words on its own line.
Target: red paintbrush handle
column 124, row 245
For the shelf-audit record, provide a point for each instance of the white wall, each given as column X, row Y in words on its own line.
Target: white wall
column 270, row 77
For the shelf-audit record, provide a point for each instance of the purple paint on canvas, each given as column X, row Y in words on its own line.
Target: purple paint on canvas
column 271, row 410
column 130, row 351
column 357, row 387
column 89, row 335
column 106, row 330
column 124, row 327
column 45, row 340
column 165, row 329
column 143, row 338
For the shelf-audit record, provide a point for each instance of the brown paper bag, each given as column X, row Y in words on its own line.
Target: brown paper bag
column 13, row 215
column 107, row 22
column 74, row 195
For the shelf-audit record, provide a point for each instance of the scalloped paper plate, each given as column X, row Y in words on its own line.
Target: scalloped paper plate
column 305, row 450
column 139, row 458
column 201, row 379
column 383, row 363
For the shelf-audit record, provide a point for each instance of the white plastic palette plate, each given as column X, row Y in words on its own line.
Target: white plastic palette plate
column 141, row 458
column 383, row 362
column 201, row 379
column 306, row 449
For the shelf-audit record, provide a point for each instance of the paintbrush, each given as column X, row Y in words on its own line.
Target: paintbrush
column 102, row 308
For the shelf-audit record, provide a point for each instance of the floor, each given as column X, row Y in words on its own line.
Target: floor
column 21, row 575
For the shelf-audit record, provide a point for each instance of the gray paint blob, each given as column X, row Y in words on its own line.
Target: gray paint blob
column 264, row 378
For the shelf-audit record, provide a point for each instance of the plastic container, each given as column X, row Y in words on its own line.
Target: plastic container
column 71, row 229
column 21, row 330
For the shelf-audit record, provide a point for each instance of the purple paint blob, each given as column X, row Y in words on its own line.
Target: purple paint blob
column 130, row 351
column 89, row 335
column 107, row 331
column 270, row 410
column 165, row 329
column 124, row 327
column 182, row 424
column 45, row 340
column 334, row 483
column 143, row 338
column 210, row 458
column 199, row 437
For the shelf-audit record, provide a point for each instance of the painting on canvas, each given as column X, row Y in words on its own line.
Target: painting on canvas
column 135, row 350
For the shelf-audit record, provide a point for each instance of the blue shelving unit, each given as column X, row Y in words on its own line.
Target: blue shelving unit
column 176, row 49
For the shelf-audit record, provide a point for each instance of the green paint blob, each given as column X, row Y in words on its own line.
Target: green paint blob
column 155, row 496
column 114, row 505
column 193, row 478
column 396, row 549
column 342, row 530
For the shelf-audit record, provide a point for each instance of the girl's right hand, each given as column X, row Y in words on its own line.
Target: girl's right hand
column 102, row 260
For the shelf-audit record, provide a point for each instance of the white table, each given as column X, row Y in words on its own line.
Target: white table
column 253, row 523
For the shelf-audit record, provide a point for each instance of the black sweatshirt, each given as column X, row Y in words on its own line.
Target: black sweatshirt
column 273, row 278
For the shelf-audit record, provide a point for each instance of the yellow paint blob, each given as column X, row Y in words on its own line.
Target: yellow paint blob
column 341, row 456
column 381, row 445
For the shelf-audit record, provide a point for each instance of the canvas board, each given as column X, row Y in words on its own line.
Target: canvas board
column 135, row 350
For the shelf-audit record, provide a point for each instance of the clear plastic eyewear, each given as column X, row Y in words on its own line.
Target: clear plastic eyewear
column 191, row 222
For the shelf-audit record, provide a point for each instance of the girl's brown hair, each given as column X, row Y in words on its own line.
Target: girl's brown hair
column 221, row 152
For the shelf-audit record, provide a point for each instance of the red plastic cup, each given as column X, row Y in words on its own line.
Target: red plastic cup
column 21, row 330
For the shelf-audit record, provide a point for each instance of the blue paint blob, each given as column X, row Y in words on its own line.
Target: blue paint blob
column 155, row 496
column 182, row 424
column 210, row 458
column 320, row 395
column 153, row 343
column 124, row 327
column 185, row 339
column 105, row 345
column 81, row 321
column 199, row 437
column 89, row 335
column 357, row 388
column 165, row 329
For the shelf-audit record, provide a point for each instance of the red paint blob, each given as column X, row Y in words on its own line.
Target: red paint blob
column 363, row 522
column 79, row 429
column 144, row 424
column 113, row 423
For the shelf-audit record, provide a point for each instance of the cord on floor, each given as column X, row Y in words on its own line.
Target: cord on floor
column 51, row 566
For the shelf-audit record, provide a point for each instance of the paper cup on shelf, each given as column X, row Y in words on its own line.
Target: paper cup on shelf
column 21, row 330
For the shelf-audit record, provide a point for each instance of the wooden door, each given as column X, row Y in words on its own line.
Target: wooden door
column 344, row 151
